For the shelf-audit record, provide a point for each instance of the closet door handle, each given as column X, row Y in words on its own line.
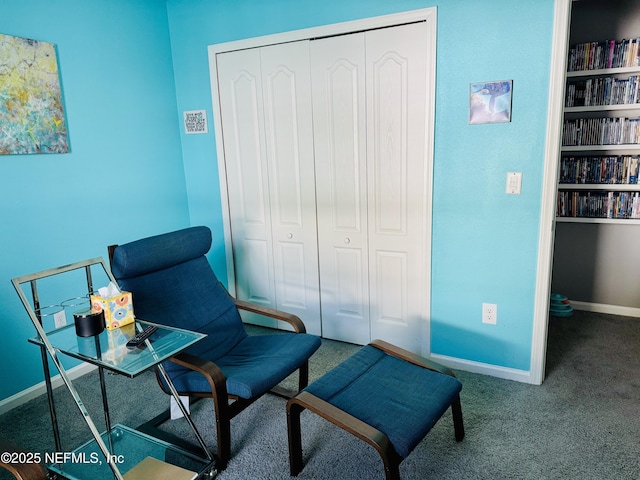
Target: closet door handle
column 347, row 240
column 289, row 236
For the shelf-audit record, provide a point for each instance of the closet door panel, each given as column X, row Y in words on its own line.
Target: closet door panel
column 338, row 73
column 240, row 87
column 392, row 288
column 396, row 109
column 252, row 263
column 290, row 163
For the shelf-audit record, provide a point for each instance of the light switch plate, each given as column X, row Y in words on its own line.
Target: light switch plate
column 514, row 183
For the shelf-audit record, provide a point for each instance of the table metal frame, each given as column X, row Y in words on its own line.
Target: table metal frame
column 47, row 348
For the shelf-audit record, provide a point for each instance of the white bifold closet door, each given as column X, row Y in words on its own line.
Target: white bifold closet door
column 338, row 76
column 265, row 97
column 327, row 177
column 370, row 104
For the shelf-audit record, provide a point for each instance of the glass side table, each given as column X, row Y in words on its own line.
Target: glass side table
column 108, row 349
column 119, row 449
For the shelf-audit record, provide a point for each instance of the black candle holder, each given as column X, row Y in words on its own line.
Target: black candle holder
column 88, row 324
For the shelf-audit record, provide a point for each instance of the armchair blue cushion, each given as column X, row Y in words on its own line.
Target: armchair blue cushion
column 173, row 284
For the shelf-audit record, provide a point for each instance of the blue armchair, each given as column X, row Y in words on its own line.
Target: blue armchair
column 173, row 284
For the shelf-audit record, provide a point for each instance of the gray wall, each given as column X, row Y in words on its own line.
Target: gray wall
column 595, row 20
column 598, row 263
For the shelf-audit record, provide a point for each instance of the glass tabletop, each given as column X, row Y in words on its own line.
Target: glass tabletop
column 131, row 450
column 109, row 349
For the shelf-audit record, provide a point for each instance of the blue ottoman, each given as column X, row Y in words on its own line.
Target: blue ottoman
column 384, row 395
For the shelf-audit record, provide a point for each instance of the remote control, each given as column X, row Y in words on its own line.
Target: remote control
column 139, row 338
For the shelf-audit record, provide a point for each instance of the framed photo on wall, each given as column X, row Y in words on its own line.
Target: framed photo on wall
column 490, row 102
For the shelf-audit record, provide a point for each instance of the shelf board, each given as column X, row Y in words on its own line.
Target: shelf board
column 609, row 187
column 618, row 221
column 604, row 108
column 603, row 71
column 601, row 148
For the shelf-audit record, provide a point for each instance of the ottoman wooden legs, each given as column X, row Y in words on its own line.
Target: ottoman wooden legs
column 372, row 436
column 351, row 379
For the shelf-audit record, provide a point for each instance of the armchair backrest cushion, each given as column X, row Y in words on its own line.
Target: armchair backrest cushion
column 173, row 284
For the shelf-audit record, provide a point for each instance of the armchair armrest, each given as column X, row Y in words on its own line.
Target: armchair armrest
column 218, row 383
column 291, row 319
column 210, row 370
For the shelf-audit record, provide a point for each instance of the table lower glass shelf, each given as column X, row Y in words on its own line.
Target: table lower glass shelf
column 137, row 455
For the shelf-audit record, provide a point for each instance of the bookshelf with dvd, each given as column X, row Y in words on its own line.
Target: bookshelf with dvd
column 596, row 261
column 598, row 178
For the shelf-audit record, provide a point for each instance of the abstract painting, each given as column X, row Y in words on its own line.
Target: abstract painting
column 31, row 111
column 490, row 102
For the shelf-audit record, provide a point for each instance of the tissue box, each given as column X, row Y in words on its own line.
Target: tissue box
column 118, row 310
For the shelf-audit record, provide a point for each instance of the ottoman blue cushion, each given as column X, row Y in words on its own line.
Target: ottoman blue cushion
column 398, row 398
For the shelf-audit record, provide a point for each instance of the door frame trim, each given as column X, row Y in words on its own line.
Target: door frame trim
column 546, row 235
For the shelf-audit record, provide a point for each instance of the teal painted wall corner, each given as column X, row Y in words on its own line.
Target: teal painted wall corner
column 123, row 177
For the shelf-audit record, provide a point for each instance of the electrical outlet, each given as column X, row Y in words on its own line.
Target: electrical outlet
column 59, row 319
column 490, row 313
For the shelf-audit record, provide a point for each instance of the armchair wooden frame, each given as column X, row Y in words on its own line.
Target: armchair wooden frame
column 226, row 406
column 20, row 470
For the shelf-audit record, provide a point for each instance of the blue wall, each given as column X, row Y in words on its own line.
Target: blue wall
column 124, row 176
column 129, row 70
column 484, row 241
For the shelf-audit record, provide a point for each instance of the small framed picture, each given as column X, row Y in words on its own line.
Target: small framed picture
column 490, row 102
column 195, row 121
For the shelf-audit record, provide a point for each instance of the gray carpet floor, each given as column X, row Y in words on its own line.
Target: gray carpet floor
column 583, row 422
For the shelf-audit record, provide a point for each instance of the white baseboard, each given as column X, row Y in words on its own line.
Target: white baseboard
column 604, row 308
column 525, row 375
column 32, row 392
column 506, row 373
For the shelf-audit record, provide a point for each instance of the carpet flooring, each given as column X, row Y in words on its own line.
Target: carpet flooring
column 582, row 423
